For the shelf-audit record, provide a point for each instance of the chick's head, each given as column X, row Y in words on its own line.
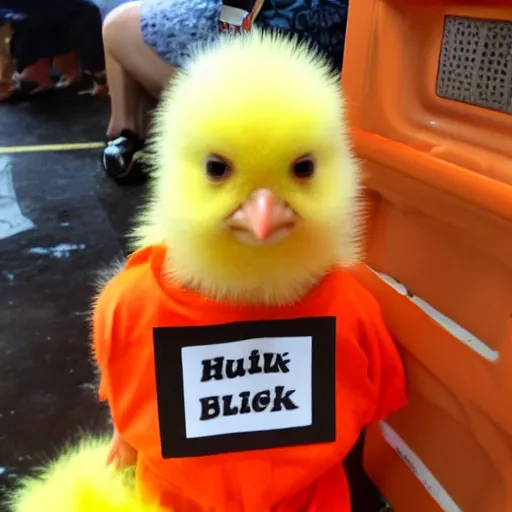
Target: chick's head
column 255, row 187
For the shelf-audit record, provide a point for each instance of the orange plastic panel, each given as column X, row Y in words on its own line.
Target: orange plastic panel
column 439, row 256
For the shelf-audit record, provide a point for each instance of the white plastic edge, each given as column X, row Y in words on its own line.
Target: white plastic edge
column 232, row 15
column 421, row 472
column 456, row 330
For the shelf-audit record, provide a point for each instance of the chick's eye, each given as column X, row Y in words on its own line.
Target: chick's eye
column 304, row 168
column 217, row 169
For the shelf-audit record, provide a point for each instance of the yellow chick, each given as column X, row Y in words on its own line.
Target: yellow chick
column 80, row 481
column 254, row 194
column 255, row 188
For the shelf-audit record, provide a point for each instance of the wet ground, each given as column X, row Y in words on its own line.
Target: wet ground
column 61, row 220
column 72, row 221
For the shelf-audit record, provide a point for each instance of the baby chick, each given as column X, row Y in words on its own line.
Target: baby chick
column 255, row 187
column 252, row 216
column 80, row 481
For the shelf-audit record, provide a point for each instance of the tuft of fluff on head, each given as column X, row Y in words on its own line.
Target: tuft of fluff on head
column 80, row 481
column 261, row 100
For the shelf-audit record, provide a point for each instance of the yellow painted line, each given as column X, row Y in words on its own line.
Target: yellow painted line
column 5, row 150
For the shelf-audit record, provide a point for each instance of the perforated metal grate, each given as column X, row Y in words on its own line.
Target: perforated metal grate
column 475, row 65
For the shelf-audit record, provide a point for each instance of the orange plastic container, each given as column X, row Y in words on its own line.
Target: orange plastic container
column 426, row 84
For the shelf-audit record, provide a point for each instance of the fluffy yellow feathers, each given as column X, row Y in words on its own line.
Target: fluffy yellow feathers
column 258, row 103
column 79, row 481
column 255, row 196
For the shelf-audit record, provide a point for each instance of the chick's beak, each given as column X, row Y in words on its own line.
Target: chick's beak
column 263, row 216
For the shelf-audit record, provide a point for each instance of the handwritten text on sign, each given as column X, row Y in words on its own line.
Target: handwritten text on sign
column 247, row 386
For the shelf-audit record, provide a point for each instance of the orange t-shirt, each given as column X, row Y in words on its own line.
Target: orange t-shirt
column 368, row 380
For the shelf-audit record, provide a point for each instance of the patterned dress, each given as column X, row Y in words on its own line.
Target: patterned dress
column 174, row 27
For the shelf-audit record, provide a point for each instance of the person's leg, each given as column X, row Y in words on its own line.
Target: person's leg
column 6, row 61
column 133, row 69
column 67, row 64
column 31, row 47
column 65, row 60
column 126, row 95
column 144, row 43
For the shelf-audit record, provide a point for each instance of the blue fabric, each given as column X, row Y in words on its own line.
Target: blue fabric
column 173, row 27
column 321, row 21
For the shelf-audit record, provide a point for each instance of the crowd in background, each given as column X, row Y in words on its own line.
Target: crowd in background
column 130, row 50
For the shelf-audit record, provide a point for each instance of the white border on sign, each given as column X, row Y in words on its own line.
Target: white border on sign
column 299, row 379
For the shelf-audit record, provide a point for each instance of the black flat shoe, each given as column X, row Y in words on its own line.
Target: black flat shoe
column 121, row 159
